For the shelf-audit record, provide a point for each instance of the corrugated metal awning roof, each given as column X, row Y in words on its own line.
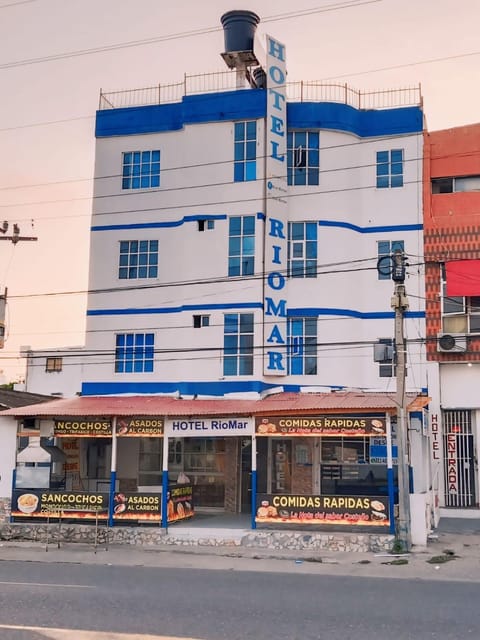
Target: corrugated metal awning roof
column 335, row 402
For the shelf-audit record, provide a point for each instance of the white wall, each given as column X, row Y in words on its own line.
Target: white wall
column 8, row 448
column 460, row 385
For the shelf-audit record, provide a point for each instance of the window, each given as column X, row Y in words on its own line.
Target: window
column 206, row 225
column 302, row 346
column 54, row 364
column 138, row 259
column 245, row 151
column 241, row 246
column 302, row 249
column 385, row 250
column 238, row 344
column 303, row 157
column 460, row 314
column 390, row 168
column 141, row 169
column 150, row 462
column 453, row 185
column 134, row 353
column 201, row 321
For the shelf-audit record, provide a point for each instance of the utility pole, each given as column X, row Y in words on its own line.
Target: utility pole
column 400, row 304
column 14, row 238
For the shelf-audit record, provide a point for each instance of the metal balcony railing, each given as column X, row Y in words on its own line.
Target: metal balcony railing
column 303, row 91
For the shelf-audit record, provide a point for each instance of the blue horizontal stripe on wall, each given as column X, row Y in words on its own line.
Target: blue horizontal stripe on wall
column 188, row 388
column 158, row 225
column 351, row 313
column 381, row 229
column 343, row 117
column 250, row 104
column 207, row 107
column 303, row 312
column 179, row 309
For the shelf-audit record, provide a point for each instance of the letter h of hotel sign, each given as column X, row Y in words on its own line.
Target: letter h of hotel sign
column 276, row 214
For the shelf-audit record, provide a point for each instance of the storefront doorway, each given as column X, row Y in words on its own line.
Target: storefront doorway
column 459, row 459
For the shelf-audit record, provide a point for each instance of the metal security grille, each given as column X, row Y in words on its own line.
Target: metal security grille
column 458, row 459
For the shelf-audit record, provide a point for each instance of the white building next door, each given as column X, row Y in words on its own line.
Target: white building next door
column 459, row 459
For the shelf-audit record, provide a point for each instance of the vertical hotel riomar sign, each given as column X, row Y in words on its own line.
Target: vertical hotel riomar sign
column 276, row 213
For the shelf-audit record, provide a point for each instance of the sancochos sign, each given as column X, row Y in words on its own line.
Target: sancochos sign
column 82, row 428
column 331, row 425
column 148, row 426
column 209, row 427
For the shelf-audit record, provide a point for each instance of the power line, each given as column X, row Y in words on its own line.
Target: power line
column 173, row 36
column 214, row 163
column 134, row 192
column 14, row 4
column 205, row 281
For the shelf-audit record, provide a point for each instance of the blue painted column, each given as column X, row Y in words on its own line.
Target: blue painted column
column 390, row 475
column 165, row 483
column 254, row 481
column 113, row 473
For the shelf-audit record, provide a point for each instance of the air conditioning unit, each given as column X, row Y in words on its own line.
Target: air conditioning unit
column 451, row 342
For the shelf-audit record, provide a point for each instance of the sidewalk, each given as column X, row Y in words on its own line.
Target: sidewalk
column 455, row 550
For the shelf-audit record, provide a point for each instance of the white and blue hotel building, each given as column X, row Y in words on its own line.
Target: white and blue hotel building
column 235, row 243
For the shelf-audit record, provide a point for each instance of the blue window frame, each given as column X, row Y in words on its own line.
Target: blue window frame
column 302, row 249
column 141, row 169
column 385, row 249
column 303, row 157
column 238, row 344
column 134, row 352
column 241, row 246
column 390, row 168
column 302, row 346
column 245, row 151
column 138, row 259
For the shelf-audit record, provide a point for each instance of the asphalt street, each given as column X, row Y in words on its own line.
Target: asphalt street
column 219, row 597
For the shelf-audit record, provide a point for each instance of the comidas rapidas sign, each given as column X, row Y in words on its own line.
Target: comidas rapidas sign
column 276, row 213
column 209, row 427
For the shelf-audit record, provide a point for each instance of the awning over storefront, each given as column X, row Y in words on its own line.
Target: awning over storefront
column 284, row 403
column 463, row 278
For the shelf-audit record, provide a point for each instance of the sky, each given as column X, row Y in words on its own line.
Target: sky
column 55, row 55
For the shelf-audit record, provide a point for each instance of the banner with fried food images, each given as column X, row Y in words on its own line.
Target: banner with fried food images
column 137, row 506
column 313, row 509
column 179, row 502
column 324, row 425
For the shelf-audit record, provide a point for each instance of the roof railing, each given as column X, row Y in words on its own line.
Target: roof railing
column 302, row 91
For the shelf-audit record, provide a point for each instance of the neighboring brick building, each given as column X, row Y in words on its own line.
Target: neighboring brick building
column 452, row 276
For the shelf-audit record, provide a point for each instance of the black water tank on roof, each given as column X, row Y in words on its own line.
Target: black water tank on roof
column 239, row 30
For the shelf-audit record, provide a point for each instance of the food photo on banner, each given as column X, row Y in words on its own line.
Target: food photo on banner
column 314, row 509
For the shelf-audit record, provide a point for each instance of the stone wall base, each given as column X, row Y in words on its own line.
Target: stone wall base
column 267, row 540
